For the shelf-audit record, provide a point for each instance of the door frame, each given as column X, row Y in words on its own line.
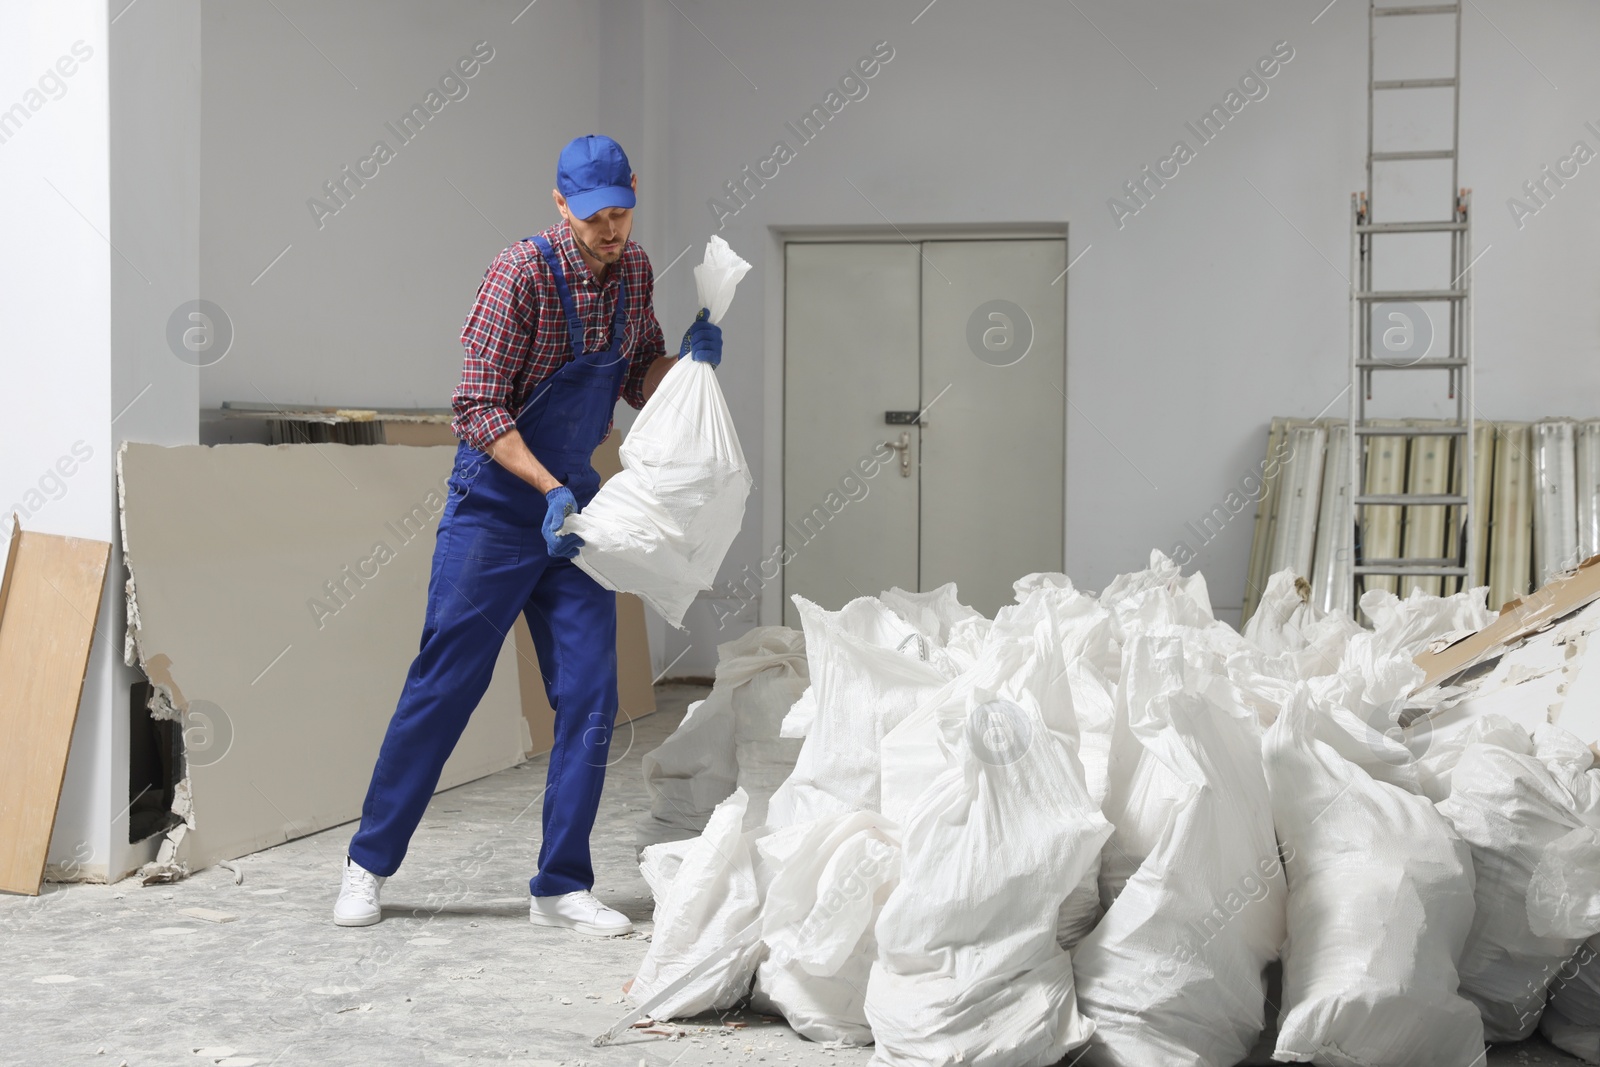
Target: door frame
column 774, row 400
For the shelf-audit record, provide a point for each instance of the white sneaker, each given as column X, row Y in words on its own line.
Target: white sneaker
column 358, row 896
column 579, row 911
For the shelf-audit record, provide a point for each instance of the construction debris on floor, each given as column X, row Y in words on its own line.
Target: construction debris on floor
column 1113, row 827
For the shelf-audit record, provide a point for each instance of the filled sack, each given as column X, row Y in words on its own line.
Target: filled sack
column 968, row 969
column 1380, row 903
column 661, row 526
column 766, row 672
column 690, row 773
column 1516, row 805
column 827, row 882
column 1571, row 1020
column 867, row 674
column 1172, row 976
column 705, row 892
column 730, row 739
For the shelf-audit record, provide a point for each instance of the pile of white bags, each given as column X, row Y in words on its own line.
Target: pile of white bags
column 1091, row 825
column 730, row 739
column 661, row 526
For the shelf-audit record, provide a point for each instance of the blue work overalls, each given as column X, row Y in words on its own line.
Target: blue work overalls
column 490, row 562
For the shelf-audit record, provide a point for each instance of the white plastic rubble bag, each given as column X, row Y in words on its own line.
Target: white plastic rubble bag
column 1571, row 1021
column 1287, row 626
column 1124, row 595
column 867, row 674
column 968, row 969
column 766, row 671
column 1055, row 624
column 934, row 613
column 1380, row 903
column 705, row 892
column 661, row 526
column 827, row 883
column 1093, row 661
column 730, row 739
column 1020, row 654
column 1172, row 976
column 1516, row 808
column 690, row 773
column 1142, row 790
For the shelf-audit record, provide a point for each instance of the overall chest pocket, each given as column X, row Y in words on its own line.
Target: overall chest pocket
column 571, row 407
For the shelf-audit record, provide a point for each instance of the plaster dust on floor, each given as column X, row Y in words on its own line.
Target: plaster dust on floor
column 105, row 975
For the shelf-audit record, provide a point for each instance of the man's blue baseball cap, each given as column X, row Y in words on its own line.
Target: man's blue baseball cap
column 593, row 174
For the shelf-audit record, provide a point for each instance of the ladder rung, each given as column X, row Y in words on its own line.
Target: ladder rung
column 1411, row 431
column 1419, row 9
column 1436, row 561
column 1415, row 500
column 1415, row 572
column 1424, row 153
column 1421, row 364
column 1414, row 83
column 1411, row 227
column 1412, row 294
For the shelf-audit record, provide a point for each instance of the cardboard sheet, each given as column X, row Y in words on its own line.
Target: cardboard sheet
column 49, row 602
column 276, row 600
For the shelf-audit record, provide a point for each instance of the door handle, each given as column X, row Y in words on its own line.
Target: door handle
column 903, row 446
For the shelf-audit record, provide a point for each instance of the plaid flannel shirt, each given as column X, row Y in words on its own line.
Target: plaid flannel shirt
column 516, row 334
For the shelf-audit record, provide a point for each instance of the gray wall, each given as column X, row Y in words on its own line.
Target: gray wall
column 367, row 308
column 1220, row 304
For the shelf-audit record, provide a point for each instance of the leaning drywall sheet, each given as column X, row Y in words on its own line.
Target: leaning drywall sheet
column 49, row 601
column 276, row 598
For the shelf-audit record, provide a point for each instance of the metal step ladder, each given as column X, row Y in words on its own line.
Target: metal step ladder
column 1456, row 361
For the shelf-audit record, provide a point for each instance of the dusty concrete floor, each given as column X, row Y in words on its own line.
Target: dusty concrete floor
column 107, row 975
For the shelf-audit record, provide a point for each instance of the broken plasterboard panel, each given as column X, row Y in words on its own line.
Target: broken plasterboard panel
column 1580, row 705
column 49, row 602
column 1540, row 679
column 276, row 600
column 1517, row 620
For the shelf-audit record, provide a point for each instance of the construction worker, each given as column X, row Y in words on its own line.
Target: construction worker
column 563, row 325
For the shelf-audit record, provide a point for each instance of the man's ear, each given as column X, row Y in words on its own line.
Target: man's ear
column 633, row 183
column 561, row 203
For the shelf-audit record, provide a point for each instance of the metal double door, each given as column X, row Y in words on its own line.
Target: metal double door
column 924, row 417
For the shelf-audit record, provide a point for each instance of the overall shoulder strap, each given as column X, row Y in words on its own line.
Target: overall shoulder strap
column 574, row 324
column 619, row 320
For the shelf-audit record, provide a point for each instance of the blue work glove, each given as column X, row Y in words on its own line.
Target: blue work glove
column 702, row 341
column 562, row 504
